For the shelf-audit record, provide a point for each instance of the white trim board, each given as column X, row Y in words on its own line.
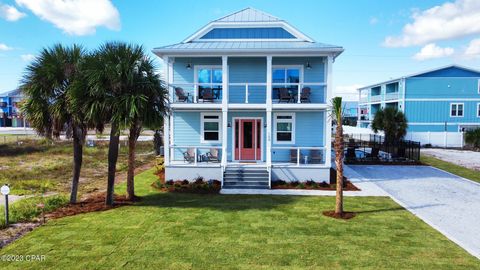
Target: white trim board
column 275, row 121
column 203, row 121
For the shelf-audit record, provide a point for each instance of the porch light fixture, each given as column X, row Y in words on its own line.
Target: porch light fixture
column 229, row 124
column 265, row 125
column 308, row 66
column 189, row 66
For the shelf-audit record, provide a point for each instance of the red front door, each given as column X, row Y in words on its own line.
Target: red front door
column 247, row 139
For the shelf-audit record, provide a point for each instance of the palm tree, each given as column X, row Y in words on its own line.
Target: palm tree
column 337, row 113
column 392, row 122
column 145, row 105
column 48, row 85
column 113, row 72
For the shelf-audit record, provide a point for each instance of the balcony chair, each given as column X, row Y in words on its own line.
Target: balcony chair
column 181, row 96
column 208, row 95
column 213, row 156
column 305, row 95
column 316, row 156
column 285, row 95
column 189, row 155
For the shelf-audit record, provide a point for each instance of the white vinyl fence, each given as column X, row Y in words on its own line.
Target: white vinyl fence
column 436, row 139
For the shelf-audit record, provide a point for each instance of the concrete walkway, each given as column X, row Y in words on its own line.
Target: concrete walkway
column 447, row 202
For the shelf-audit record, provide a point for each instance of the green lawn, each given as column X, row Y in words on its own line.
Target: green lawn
column 181, row 231
column 450, row 167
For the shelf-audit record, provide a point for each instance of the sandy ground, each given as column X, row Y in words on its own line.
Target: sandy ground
column 468, row 159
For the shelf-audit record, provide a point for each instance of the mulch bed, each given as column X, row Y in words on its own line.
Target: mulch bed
column 348, row 186
column 345, row 215
column 93, row 203
column 15, row 231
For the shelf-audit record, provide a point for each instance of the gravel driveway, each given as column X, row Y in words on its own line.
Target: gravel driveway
column 469, row 159
column 446, row 202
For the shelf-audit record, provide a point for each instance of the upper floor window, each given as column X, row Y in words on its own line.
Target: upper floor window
column 286, row 75
column 209, row 79
column 478, row 109
column 456, row 109
column 284, row 128
column 210, row 128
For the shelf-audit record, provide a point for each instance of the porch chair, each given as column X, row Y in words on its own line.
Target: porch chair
column 189, row 155
column 374, row 154
column 293, row 156
column 181, row 96
column 305, row 95
column 285, row 95
column 213, row 156
column 207, row 94
column 316, row 156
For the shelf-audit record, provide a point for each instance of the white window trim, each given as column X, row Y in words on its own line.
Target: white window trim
column 197, row 67
column 300, row 67
column 275, row 121
column 478, row 110
column 203, row 120
column 463, row 110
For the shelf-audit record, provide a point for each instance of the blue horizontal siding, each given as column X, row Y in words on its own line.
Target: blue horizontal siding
column 181, row 74
column 251, row 70
column 442, row 88
column 315, row 74
column 248, row 33
column 439, row 112
column 309, row 131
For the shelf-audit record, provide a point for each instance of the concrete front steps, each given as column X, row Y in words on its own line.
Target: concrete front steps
column 245, row 178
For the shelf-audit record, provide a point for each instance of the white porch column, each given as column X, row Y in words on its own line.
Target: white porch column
column 269, row 111
column 224, row 109
column 168, row 71
column 328, row 120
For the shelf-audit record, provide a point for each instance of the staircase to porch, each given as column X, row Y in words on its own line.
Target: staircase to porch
column 245, row 178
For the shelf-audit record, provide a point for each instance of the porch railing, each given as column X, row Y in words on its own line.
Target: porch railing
column 376, row 98
column 244, row 93
column 196, row 154
column 313, row 92
column 392, row 96
column 196, row 93
column 299, row 155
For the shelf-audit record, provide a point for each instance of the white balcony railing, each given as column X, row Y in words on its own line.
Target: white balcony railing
column 392, row 96
column 244, row 93
column 196, row 93
column 313, row 92
column 376, row 98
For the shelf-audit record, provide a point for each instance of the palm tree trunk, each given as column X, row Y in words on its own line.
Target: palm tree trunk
column 78, row 139
column 132, row 142
column 339, row 165
column 112, row 163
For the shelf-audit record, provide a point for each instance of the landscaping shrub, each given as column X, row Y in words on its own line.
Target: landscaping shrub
column 27, row 210
column 198, row 186
column 473, row 137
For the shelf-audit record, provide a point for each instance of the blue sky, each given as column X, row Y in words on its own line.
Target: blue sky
column 382, row 39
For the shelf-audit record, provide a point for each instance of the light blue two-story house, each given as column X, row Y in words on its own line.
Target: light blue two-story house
column 445, row 99
column 249, row 95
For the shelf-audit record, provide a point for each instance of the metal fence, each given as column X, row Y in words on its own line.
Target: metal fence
column 373, row 149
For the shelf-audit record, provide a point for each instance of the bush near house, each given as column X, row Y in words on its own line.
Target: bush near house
column 184, row 186
column 473, row 137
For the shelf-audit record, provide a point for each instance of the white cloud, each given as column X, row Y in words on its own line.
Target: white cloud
column 347, row 92
column 4, row 47
column 10, row 13
column 373, row 20
column 27, row 57
column 75, row 17
column 431, row 51
column 450, row 20
column 473, row 49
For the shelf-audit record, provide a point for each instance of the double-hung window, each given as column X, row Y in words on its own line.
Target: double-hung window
column 284, row 128
column 209, row 79
column 211, row 128
column 456, row 109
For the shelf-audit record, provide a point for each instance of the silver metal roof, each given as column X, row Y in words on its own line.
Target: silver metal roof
column 248, row 15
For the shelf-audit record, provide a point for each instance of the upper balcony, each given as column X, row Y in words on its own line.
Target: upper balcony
column 295, row 81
